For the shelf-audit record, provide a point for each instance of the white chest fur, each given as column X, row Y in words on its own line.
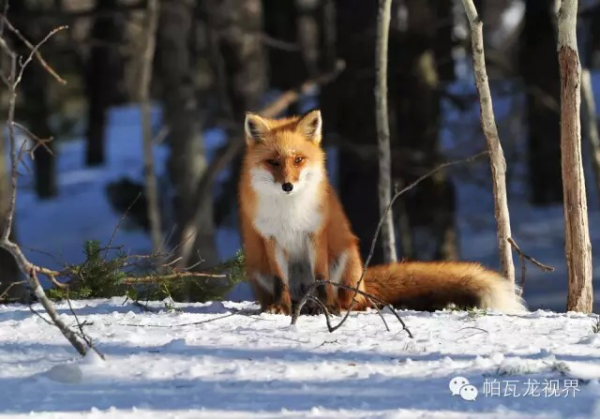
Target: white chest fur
column 289, row 219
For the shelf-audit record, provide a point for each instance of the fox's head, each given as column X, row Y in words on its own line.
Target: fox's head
column 284, row 155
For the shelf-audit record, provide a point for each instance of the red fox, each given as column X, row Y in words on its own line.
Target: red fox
column 295, row 231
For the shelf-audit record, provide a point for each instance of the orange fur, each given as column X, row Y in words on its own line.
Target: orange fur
column 282, row 151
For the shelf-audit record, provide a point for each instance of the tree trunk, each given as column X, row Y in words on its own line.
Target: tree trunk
column 9, row 270
column 105, row 76
column 347, row 106
column 578, row 246
column 286, row 64
column 151, row 186
column 538, row 59
column 237, row 27
column 416, row 102
column 35, row 111
column 187, row 159
column 497, row 162
column 388, row 235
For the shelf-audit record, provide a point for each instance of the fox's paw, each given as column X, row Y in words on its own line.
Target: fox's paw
column 311, row 308
column 278, row 309
column 334, row 308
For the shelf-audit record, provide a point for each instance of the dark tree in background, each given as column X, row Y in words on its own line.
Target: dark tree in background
column 348, row 105
column 35, row 111
column 236, row 27
column 415, row 58
column 183, row 117
column 417, row 89
column 104, row 74
column 285, row 62
column 538, row 58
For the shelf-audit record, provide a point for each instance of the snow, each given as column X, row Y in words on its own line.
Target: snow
column 224, row 360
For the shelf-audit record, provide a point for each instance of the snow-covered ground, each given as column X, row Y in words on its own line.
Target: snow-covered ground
column 206, row 361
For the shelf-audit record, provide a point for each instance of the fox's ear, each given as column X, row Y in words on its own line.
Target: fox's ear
column 310, row 125
column 256, row 128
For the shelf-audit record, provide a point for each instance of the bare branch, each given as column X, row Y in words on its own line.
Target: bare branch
column 522, row 258
column 542, row 266
column 82, row 333
column 118, row 226
column 34, row 48
column 169, row 277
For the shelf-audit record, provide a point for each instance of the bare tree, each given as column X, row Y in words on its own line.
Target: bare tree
column 488, row 124
column 104, row 75
column 383, row 130
column 578, row 246
column 590, row 125
column 12, row 81
column 537, row 66
column 149, row 40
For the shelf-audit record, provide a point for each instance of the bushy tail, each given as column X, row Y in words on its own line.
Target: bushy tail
column 436, row 285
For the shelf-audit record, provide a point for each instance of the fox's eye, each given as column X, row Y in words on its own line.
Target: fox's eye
column 273, row 163
column 299, row 160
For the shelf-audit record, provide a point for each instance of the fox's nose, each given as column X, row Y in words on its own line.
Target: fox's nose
column 287, row 187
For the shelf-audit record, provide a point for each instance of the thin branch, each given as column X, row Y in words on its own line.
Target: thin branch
column 82, row 333
column 309, row 296
column 169, row 277
column 118, row 226
column 522, row 258
column 34, row 48
column 542, row 266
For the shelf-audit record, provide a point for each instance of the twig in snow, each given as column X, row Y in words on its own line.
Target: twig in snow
column 82, row 334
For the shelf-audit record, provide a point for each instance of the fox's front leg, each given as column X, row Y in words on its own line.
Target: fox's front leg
column 320, row 265
column 267, row 289
column 278, row 266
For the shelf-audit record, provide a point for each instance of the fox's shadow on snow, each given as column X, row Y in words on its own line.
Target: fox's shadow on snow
column 358, row 390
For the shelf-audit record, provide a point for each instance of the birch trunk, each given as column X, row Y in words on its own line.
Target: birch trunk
column 578, row 247
column 488, row 123
column 383, row 130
